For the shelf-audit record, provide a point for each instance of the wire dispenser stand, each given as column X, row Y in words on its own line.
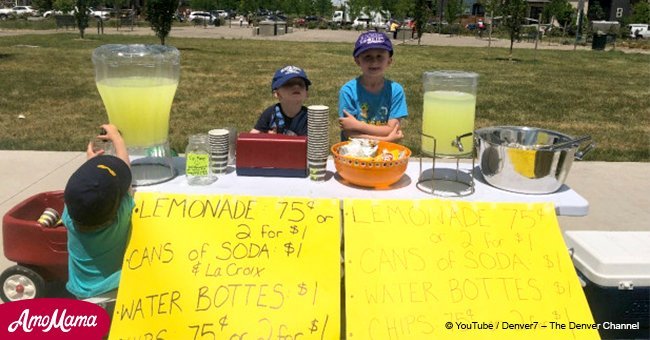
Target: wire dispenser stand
column 447, row 182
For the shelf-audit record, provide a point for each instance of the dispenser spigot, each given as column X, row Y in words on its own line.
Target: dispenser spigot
column 458, row 144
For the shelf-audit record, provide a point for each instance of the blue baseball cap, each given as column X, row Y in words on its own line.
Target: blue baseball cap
column 370, row 40
column 93, row 192
column 287, row 73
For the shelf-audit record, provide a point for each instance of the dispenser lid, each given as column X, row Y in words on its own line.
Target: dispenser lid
column 136, row 54
column 451, row 74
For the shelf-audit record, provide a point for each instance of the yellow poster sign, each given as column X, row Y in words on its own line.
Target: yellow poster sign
column 425, row 269
column 230, row 267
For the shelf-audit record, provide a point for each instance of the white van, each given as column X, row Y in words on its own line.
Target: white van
column 640, row 30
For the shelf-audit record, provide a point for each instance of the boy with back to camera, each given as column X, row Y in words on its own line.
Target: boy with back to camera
column 371, row 106
column 97, row 215
column 290, row 86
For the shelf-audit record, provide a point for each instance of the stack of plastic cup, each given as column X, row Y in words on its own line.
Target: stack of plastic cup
column 317, row 141
column 219, row 149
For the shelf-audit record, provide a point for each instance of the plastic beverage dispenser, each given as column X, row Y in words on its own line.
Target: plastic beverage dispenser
column 137, row 84
column 448, row 113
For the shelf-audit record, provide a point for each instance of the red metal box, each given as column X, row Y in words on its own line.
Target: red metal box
column 263, row 154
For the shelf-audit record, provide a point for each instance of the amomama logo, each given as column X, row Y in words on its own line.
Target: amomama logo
column 52, row 319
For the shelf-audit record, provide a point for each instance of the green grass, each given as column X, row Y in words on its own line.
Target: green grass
column 50, row 80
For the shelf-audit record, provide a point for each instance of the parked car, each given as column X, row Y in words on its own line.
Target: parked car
column 201, row 17
column 50, row 13
column 24, row 10
column 99, row 14
column 220, row 13
column 276, row 17
column 5, row 13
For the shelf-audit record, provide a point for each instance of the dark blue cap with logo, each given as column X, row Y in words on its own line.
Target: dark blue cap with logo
column 287, row 73
column 370, row 40
column 95, row 190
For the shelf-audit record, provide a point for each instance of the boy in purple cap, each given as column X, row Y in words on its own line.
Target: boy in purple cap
column 97, row 214
column 289, row 116
column 371, row 106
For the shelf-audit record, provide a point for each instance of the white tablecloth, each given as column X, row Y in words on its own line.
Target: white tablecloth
column 567, row 202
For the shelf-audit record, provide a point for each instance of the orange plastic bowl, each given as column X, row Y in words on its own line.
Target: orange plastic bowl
column 371, row 174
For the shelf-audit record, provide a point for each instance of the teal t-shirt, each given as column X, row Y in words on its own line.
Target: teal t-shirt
column 373, row 108
column 95, row 258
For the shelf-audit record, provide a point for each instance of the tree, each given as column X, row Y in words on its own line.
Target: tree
column 452, row 11
column 206, row 5
column 404, row 8
column 514, row 14
column 595, row 11
column 323, row 7
column 355, row 7
column 560, row 9
column 391, row 5
column 42, row 5
column 641, row 13
column 492, row 6
column 64, row 6
column 117, row 4
column 160, row 14
column 81, row 15
column 420, row 17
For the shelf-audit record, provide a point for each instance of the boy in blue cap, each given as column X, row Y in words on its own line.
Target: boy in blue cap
column 289, row 116
column 97, row 214
column 371, row 106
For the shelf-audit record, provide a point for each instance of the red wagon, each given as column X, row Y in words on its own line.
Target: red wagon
column 40, row 252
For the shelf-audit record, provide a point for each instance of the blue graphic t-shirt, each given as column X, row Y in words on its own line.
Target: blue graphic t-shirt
column 274, row 118
column 373, row 108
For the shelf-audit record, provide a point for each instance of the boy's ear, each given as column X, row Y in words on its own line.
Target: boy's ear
column 275, row 94
column 356, row 60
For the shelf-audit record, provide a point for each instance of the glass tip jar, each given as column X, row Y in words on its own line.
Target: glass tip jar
column 197, row 157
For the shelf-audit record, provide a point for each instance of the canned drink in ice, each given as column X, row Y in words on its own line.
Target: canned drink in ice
column 49, row 218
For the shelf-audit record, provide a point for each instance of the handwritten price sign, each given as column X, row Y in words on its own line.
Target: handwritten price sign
column 230, row 267
column 427, row 269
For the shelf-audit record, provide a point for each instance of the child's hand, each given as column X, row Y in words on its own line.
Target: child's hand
column 90, row 151
column 349, row 122
column 110, row 132
column 395, row 134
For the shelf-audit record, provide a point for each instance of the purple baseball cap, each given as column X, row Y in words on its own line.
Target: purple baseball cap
column 369, row 40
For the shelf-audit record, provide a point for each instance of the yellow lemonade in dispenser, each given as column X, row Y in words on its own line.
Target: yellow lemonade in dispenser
column 139, row 107
column 446, row 115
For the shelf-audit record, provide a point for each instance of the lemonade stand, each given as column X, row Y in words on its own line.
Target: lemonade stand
column 137, row 84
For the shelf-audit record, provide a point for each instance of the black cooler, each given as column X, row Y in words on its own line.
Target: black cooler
column 614, row 267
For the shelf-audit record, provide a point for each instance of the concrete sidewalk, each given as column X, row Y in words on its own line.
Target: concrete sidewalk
column 618, row 193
